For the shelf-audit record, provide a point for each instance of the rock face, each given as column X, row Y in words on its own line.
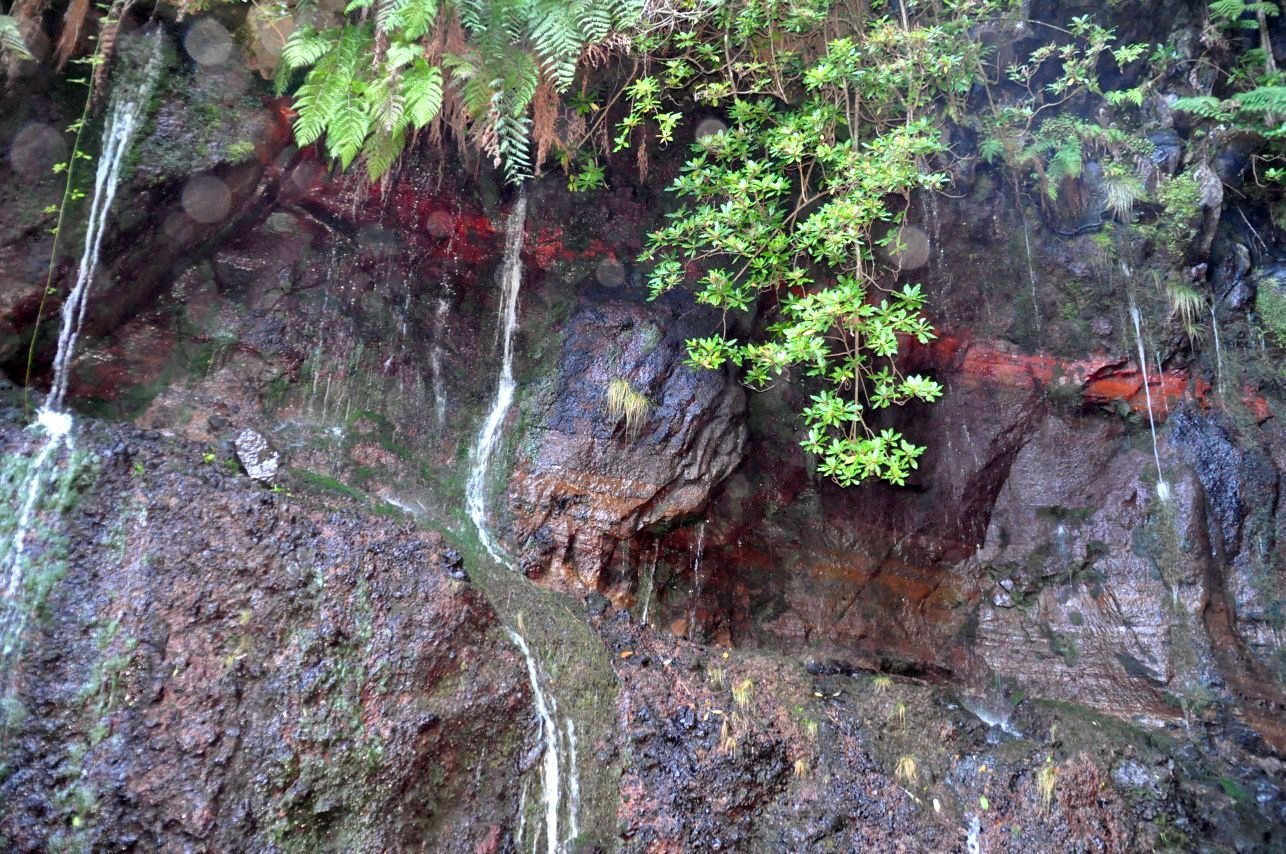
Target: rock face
column 226, row 668
column 585, row 481
column 751, row 752
column 1031, row 550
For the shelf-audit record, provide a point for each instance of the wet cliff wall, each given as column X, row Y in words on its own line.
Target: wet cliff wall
column 246, row 285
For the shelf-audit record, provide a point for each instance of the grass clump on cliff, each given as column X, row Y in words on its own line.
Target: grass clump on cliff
column 625, row 405
column 1270, row 303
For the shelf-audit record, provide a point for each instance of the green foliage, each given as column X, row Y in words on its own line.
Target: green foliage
column 1253, row 89
column 373, row 82
column 787, row 200
column 590, row 176
column 1270, row 304
column 1124, row 188
column 1240, row 14
column 1050, row 150
column 1179, row 200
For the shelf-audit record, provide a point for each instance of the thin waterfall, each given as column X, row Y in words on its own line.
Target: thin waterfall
column 696, row 579
column 573, row 783
column 1163, row 488
column 1031, row 272
column 651, row 581
column 480, row 458
column 53, row 422
column 1214, row 324
column 550, row 780
column 476, row 505
column 435, row 360
column 118, row 132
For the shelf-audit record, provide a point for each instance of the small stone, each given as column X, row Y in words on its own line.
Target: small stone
column 258, row 459
column 596, row 603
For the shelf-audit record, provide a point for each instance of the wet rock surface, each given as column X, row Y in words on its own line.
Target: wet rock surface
column 226, row 663
column 587, row 480
column 740, row 751
column 224, row 667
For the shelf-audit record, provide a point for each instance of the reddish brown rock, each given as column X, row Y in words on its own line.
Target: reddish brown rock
column 224, row 667
column 583, row 483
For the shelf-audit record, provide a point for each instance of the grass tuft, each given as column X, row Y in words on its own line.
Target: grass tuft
column 624, row 404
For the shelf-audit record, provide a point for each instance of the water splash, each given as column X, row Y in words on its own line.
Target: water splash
column 489, row 435
column 1163, row 488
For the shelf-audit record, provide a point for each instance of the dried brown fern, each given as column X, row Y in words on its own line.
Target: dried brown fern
column 73, row 27
column 544, row 128
column 107, row 44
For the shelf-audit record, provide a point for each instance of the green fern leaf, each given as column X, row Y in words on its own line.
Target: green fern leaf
column 558, row 42
column 514, row 147
column 1067, row 160
column 11, row 40
column 348, row 130
column 1205, row 106
column 1262, row 99
column 1227, row 10
column 422, row 91
column 381, row 152
column 306, row 46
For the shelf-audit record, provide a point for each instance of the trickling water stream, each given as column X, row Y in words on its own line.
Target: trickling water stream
column 1163, row 488
column 693, row 611
column 53, row 422
column 480, row 457
column 435, row 360
column 545, row 710
column 559, row 751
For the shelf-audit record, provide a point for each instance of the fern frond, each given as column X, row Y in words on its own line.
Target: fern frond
column 386, row 105
column 596, row 18
column 1067, row 160
column 1227, row 10
column 11, row 40
column 558, row 42
column 991, row 148
column 471, row 14
column 522, row 76
column 1205, row 106
column 514, row 147
column 348, row 130
column 388, row 15
column 306, row 46
column 381, row 152
column 1262, row 99
column 411, row 19
column 422, row 92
